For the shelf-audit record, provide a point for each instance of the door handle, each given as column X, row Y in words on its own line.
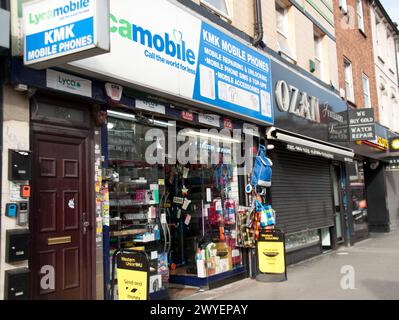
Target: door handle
column 85, row 223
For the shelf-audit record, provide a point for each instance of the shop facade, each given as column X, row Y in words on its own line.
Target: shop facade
column 311, row 155
column 94, row 187
column 369, row 189
column 110, row 170
column 392, row 180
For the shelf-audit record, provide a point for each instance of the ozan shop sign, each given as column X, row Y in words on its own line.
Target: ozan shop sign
column 290, row 99
column 306, row 107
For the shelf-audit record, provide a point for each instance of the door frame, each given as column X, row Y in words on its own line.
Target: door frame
column 338, row 166
column 44, row 126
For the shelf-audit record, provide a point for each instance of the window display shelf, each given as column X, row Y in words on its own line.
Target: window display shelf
column 134, row 205
column 130, row 232
column 131, row 163
column 134, row 183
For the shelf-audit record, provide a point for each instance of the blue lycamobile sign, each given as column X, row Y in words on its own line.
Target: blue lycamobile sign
column 60, row 31
column 159, row 45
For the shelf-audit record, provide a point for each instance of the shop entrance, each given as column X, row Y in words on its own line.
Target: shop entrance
column 392, row 181
column 338, row 204
column 61, row 209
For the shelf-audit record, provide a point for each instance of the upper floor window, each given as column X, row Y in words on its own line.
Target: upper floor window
column 283, row 32
column 349, row 81
column 366, row 92
column 219, row 6
column 318, row 53
column 282, row 19
column 343, row 6
column 391, row 54
column 360, row 18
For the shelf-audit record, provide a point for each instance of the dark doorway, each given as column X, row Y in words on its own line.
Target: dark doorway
column 338, row 204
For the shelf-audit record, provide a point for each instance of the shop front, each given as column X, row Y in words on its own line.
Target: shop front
column 310, row 184
column 135, row 150
column 368, row 185
column 180, row 208
column 165, row 181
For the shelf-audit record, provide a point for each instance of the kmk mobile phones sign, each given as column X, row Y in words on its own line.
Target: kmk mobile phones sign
column 159, row 45
column 60, row 31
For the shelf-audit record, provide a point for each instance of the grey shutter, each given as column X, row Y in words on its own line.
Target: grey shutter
column 301, row 190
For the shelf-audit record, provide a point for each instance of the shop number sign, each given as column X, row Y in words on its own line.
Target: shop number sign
column 132, row 274
column 271, row 252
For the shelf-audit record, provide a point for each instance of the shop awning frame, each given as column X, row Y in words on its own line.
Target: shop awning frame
column 340, row 153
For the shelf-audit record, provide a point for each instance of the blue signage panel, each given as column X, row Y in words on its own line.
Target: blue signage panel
column 60, row 31
column 60, row 40
column 233, row 76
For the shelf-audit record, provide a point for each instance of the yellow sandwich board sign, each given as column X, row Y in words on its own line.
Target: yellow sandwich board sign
column 271, row 253
column 132, row 274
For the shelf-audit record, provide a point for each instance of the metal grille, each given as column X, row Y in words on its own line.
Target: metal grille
column 301, row 191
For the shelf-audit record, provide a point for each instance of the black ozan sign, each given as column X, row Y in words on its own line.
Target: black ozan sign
column 361, row 124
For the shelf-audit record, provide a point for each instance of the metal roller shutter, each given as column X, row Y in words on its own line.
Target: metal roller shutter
column 301, row 190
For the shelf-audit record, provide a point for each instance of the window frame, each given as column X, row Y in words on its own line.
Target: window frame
column 366, row 94
column 348, row 66
column 228, row 16
column 343, row 5
column 318, row 44
column 360, row 15
column 285, row 32
column 283, row 44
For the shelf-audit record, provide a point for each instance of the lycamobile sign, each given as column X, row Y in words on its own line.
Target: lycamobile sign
column 161, row 43
column 59, row 31
column 161, row 46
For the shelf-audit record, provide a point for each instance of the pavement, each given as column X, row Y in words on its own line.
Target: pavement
column 367, row 270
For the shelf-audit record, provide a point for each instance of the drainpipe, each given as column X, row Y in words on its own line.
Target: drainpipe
column 258, row 24
column 396, row 42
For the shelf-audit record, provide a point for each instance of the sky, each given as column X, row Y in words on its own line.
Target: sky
column 392, row 7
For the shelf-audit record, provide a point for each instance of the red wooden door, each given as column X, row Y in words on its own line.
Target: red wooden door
column 60, row 218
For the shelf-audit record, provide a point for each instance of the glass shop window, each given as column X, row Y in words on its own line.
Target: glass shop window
column 135, row 187
column 298, row 240
column 202, row 204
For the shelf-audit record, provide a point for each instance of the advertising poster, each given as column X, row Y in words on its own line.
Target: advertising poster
column 132, row 274
column 271, row 252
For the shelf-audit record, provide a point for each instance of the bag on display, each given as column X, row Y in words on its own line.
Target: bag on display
column 262, row 172
column 266, row 212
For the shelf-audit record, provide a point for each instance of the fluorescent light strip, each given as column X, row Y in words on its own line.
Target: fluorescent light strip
column 121, row 115
column 208, row 135
column 162, row 123
column 128, row 116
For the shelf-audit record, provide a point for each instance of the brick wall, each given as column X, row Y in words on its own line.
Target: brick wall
column 358, row 48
